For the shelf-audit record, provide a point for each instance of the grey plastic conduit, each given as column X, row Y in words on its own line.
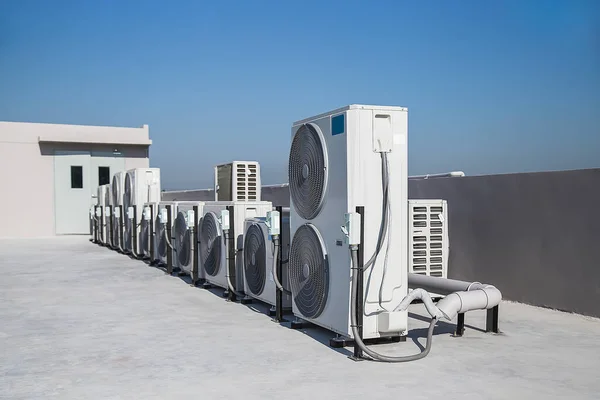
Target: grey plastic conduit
column 274, row 266
column 228, row 259
column 354, row 324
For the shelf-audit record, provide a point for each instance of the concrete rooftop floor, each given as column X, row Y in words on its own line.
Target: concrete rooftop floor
column 78, row 321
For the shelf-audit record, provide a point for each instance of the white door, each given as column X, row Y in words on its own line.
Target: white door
column 72, row 191
column 103, row 166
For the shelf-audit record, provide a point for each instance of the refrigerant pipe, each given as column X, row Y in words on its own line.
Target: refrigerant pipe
column 274, row 266
column 228, row 259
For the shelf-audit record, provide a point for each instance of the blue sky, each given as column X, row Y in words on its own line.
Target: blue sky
column 491, row 86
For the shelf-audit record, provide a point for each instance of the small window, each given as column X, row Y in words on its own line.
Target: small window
column 103, row 175
column 76, row 177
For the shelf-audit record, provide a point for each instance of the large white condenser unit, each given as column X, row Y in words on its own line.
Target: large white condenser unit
column 213, row 254
column 186, row 221
column 147, row 231
column 428, row 237
column 237, row 181
column 142, row 185
column 117, row 190
column 338, row 161
column 258, row 259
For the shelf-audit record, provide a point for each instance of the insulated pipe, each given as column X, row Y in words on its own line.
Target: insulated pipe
column 461, row 296
column 453, row 174
column 475, row 299
column 443, row 286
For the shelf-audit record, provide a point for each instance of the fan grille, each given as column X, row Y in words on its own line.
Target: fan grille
column 182, row 238
column 210, row 244
column 307, row 171
column 126, row 204
column 115, row 191
column 309, row 271
column 255, row 259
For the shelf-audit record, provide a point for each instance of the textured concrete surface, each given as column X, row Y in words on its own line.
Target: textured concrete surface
column 78, row 321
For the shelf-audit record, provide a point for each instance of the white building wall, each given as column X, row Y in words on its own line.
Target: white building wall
column 27, row 168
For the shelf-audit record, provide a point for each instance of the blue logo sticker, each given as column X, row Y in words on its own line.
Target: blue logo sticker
column 338, row 124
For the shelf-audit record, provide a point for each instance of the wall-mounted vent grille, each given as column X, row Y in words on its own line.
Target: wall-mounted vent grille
column 429, row 237
column 238, row 181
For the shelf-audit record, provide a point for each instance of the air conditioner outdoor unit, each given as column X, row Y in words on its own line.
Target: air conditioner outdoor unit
column 213, row 256
column 258, row 260
column 237, row 181
column 163, row 240
column 337, row 162
column 142, row 185
column 186, row 220
column 102, row 218
column 117, row 190
column 428, row 237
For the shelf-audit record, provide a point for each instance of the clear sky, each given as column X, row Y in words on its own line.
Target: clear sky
column 491, row 86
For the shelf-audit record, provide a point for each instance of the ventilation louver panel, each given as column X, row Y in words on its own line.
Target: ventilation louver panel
column 182, row 240
column 210, row 244
column 255, row 268
column 308, row 271
column 307, row 172
column 246, row 182
column 428, row 238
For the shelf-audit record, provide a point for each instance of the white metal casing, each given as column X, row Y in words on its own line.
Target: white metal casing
column 354, row 176
column 183, row 214
column 142, row 185
column 161, row 243
column 269, row 292
column 428, row 237
column 241, row 211
column 238, row 181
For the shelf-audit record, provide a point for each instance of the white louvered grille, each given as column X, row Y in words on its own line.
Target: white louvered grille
column 246, row 180
column 428, row 237
column 237, row 181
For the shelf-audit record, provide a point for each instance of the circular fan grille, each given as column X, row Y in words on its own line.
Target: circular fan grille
column 308, row 271
column 161, row 233
column 115, row 191
column 255, row 268
column 307, row 171
column 182, row 238
column 210, row 244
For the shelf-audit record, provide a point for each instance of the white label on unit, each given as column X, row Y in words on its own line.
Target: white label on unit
column 189, row 219
column 130, row 212
column 107, row 211
column 163, row 217
column 147, row 213
column 382, row 133
column 225, row 220
column 118, row 212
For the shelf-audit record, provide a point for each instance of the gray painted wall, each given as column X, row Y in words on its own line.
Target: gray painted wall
column 533, row 235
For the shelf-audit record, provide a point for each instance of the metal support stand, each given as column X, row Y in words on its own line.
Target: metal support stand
column 358, row 353
column 152, row 238
column 111, row 234
column 460, row 325
column 491, row 324
column 134, row 235
column 121, row 214
column 195, row 241
column 340, row 342
column 95, row 225
column 279, row 293
column 168, row 233
column 232, row 250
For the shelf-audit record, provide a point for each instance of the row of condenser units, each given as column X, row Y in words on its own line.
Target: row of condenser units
column 348, row 187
